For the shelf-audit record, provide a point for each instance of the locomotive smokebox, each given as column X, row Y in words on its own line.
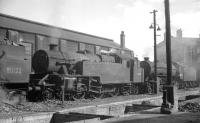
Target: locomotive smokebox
column 56, row 61
column 43, row 61
column 40, row 62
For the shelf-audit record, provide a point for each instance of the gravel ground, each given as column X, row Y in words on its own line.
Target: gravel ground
column 12, row 108
column 192, row 105
column 9, row 109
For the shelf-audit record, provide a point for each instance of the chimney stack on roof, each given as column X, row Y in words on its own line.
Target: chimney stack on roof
column 122, row 39
column 179, row 33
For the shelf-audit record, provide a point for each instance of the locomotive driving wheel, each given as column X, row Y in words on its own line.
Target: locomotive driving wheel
column 115, row 92
column 135, row 89
column 125, row 91
column 149, row 88
column 47, row 94
column 78, row 96
column 80, row 92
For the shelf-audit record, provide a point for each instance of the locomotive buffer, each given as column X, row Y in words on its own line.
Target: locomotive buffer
column 170, row 102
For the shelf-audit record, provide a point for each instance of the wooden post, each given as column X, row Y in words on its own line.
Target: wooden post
column 170, row 102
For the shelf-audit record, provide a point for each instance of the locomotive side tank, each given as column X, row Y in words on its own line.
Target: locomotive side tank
column 109, row 72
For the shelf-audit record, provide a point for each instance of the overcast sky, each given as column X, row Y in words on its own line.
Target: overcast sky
column 107, row 18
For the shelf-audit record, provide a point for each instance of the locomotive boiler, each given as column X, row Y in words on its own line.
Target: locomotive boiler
column 83, row 74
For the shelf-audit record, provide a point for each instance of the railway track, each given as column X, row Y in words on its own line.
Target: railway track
column 108, row 106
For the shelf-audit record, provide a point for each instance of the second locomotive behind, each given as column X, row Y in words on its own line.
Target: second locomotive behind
column 184, row 76
column 83, row 74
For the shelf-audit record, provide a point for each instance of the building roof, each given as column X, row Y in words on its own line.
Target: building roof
column 184, row 40
column 19, row 24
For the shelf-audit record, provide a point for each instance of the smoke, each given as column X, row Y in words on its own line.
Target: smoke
column 148, row 52
column 45, row 11
column 189, row 74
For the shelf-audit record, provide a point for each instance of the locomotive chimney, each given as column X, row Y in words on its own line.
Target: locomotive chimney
column 146, row 58
column 122, row 39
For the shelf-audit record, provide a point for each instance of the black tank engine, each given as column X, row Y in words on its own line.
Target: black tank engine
column 83, row 74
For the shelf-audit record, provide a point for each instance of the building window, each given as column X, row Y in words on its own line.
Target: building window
column 66, row 45
column 104, row 48
column 98, row 50
column 42, row 42
column 53, row 41
column 81, row 46
column 2, row 34
column 63, row 45
column 89, row 48
column 53, row 47
column 54, row 44
column 13, row 36
column 28, row 38
column 72, row 46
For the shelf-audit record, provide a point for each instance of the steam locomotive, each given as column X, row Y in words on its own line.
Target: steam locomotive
column 71, row 75
column 184, row 76
column 83, row 74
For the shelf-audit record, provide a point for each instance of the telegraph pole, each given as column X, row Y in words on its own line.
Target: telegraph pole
column 153, row 26
column 170, row 102
column 155, row 52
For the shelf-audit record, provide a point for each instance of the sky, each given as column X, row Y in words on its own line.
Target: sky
column 107, row 18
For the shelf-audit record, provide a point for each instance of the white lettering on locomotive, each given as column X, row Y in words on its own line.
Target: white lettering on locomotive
column 14, row 70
